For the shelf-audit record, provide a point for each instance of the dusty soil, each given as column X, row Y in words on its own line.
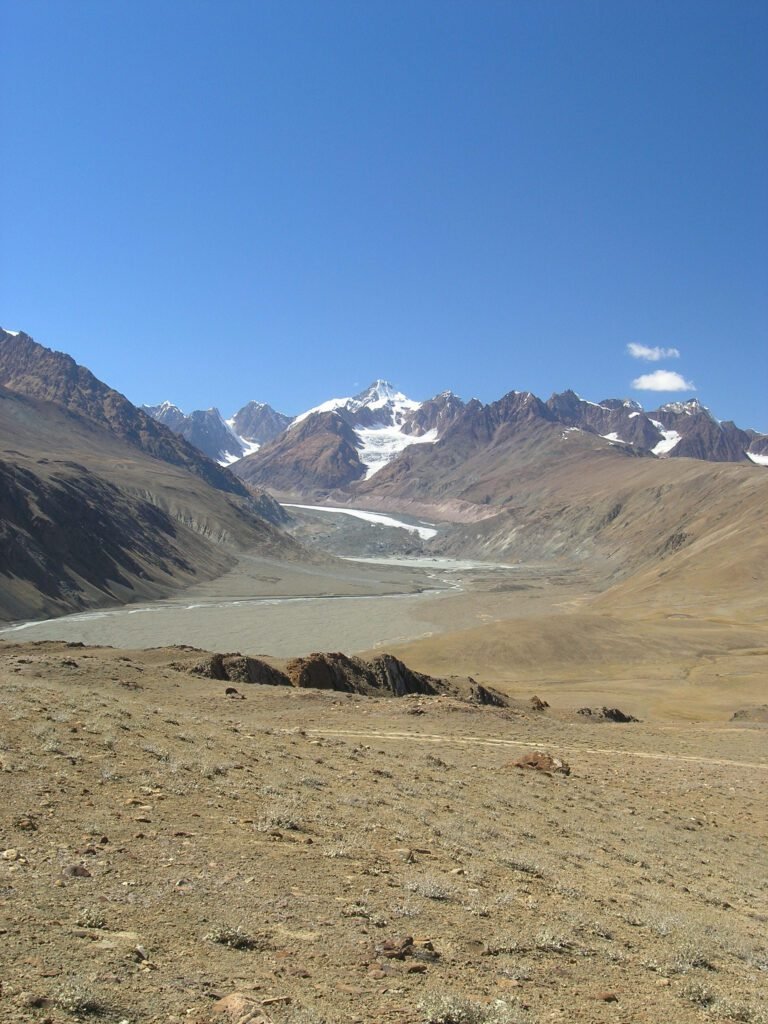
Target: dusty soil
column 147, row 820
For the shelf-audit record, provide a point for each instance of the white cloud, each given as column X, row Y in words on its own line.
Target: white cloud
column 662, row 380
column 652, row 355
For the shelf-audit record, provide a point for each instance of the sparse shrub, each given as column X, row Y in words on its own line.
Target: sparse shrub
column 551, row 942
column 155, row 751
column 700, row 995
column 743, row 1013
column 364, row 912
column 407, row 908
column 684, row 958
column 337, row 851
column 73, row 997
column 236, row 938
column 312, row 782
column 306, row 1015
column 523, row 866
column 432, row 887
column 450, row 1009
column 280, row 814
column 90, row 917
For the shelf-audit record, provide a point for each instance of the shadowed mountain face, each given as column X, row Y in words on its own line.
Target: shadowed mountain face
column 31, row 369
column 259, row 423
column 204, row 428
column 80, row 516
column 71, row 538
column 99, row 504
column 677, row 430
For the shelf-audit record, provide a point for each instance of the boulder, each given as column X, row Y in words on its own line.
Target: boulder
column 607, row 715
column 540, row 762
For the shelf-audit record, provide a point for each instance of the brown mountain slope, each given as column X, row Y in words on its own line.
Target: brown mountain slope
column 88, row 519
column 489, row 455
column 39, row 372
column 677, row 531
column 318, row 454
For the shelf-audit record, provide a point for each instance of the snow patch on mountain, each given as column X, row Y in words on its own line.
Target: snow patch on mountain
column 758, row 459
column 228, row 458
column 669, row 439
column 379, row 445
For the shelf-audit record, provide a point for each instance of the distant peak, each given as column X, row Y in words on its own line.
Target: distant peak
column 379, row 391
column 13, row 334
column 689, row 407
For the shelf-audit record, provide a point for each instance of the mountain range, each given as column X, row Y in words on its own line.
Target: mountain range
column 102, row 503
column 344, row 441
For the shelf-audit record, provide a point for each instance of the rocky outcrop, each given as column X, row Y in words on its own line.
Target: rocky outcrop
column 619, row 419
column 539, row 762
column 435, row 414
column 238, row 668
column 701, row 435
column 382, row 676
column 330, row 672
column 391, row 674
column 606, row 715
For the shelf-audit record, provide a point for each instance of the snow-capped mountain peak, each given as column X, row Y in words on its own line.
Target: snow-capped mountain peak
column 380, row 416
column 381, row 392
column 166, row 407
column 380, row 395
column 688, row 408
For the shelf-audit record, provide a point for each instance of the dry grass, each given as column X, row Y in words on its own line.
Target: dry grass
column 337, row 823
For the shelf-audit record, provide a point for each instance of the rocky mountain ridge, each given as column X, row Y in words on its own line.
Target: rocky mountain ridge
column 380, row 435
column 206, row 430
column 345, row 441
column 38, row 372
column 99, row 503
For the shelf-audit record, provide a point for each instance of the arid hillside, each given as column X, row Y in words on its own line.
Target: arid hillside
column 171, row 853
column 89, row 519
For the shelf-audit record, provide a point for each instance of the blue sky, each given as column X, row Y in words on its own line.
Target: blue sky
column 218, row 201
